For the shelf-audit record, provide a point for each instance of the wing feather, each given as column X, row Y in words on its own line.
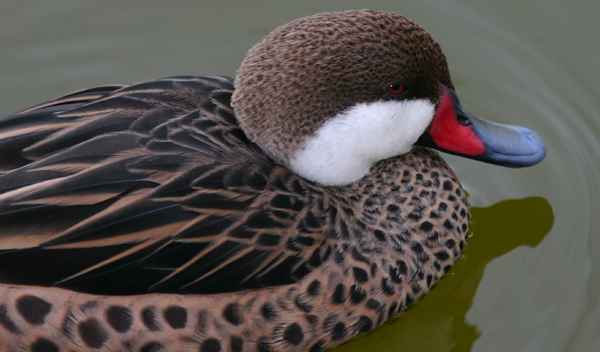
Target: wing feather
column 151, row 187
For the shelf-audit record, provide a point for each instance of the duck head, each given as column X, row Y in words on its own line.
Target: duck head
column 331, row 94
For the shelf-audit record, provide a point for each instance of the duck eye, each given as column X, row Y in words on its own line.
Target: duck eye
column 395, row 89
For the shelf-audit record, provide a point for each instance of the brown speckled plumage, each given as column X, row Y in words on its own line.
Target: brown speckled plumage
column 156, row 225
column 317, row 66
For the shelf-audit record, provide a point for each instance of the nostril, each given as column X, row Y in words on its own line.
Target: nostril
column 463, row 120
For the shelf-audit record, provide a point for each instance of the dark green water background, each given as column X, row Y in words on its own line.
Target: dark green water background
column 530, row 279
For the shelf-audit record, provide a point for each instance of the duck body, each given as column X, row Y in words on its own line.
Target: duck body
column 352, row 248
column 161, row 216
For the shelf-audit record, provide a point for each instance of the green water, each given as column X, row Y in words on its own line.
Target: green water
column 529, row 280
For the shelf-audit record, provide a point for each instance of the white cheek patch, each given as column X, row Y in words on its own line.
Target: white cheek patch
column 346, row 146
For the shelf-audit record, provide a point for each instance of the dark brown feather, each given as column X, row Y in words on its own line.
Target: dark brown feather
column 153, row 185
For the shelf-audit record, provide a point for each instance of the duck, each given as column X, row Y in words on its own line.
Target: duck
column 290, row 208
